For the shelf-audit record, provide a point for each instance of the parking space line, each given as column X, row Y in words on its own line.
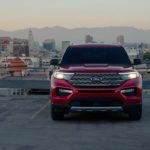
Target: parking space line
column 35, row 114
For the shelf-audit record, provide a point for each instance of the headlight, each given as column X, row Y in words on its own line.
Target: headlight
column 129, row 75
column 62, row 75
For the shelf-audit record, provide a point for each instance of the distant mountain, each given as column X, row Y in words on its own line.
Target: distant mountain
column 77, row 35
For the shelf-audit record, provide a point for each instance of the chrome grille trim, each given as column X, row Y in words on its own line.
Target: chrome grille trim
column 96, row 109
column 96, row 80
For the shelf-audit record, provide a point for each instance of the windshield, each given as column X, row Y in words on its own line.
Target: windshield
column 105, row 55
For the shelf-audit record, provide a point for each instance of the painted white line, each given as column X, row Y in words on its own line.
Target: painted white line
column 39, row 111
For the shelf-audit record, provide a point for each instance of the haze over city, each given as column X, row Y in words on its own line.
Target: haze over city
column 19, row 14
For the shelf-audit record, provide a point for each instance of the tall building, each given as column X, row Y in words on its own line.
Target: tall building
column 88, row 39
column 49, row 44
column 31, row 41
column 120, row 40
column 65, row 44
column 6, row 46
column 20, row 47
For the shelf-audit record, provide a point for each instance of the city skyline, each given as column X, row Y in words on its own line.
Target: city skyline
column 18, row 14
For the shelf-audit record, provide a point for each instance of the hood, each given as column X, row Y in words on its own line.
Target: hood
column 96, row 68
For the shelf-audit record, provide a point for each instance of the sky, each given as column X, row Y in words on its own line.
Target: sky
column 20, row 14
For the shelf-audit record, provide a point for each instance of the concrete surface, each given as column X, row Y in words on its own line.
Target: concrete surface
column 25, row 124
column 36, row 83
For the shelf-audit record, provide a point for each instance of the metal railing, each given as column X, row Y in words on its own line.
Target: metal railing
column 37, row 81
column 27, row 73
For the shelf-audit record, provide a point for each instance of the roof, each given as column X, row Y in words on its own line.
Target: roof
column 16, row 64
column 95, row 45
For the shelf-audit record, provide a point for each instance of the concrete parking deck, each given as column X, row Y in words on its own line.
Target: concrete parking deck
column 25, row 124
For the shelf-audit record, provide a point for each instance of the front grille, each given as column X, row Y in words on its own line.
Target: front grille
column 96, row 80
column 96, row 91
column 96, row 102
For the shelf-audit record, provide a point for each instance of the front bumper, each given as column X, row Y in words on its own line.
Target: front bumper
column 67, row 108
column 96, row 94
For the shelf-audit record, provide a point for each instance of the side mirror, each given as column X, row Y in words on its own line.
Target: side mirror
column 137, row 61
column 54, row 62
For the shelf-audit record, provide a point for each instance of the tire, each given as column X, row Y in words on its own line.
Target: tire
column 135, row 113
column 56, row 114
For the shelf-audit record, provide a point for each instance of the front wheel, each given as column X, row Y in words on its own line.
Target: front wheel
column 135, row 113
column 56, row 114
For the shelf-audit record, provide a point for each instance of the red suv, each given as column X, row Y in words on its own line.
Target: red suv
column 96, row 77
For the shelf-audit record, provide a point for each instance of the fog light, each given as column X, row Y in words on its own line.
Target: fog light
column 129, row 92
column 63, row 92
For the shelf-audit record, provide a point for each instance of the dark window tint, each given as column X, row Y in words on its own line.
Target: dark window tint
column 114, row 55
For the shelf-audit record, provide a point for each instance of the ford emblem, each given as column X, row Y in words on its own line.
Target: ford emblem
column 94, row 79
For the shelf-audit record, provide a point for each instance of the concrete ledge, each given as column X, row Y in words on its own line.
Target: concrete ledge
column 146, row 91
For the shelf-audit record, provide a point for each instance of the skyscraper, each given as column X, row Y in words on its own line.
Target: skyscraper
column 49, row 44
column 20, row 47
column 120, row 39
column 31, row 41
